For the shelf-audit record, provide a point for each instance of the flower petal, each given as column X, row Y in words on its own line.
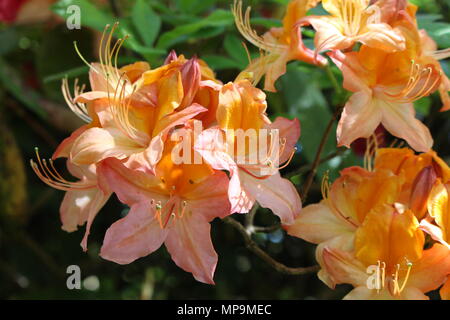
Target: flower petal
column 399, row 119
column 96, row 144
column 382, row 36
column 276, row 193
column 130, row 186
column 210, row 197
column 288, row 130
column 316, row 223
column 63, row 150
column 360, row 118
column 135, row 236
column 431, row 271
column 189, row 244
column 343, row 267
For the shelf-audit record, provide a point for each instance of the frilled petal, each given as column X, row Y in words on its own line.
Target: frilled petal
column 96, row 144
column 383, row 37
column 343, row 267
column 343, row 242
column 360, row 118
column 399, row 119
column 276, row 193
column 134, row 236
column 316, row 223
column 189, row 244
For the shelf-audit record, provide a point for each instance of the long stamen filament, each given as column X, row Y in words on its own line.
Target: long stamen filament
column 50, row 176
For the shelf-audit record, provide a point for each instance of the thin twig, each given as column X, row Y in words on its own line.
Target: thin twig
column 268, row 229
column 316, row 161
column 333, row 79
column 250, row 217
column 251, row 245
column 307, row 167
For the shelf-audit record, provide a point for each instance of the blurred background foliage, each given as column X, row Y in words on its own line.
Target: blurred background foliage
column 37, row 51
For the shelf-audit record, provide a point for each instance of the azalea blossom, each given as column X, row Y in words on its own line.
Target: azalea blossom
column 253, row 171
column 352, row 21
column 173, row 207
column 397, row 189
column 138, row 112
column 389, row 248
column 385, row 85
column 280, row 45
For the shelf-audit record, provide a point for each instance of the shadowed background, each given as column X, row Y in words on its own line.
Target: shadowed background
column 37, row 52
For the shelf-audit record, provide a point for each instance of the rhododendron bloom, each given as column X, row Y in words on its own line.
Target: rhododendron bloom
column 398, row 187
column 391, row 241
column 280, row 45
column 173, row 207
column 385, row 85
column 353, row 21
column 138, row 128
column 253, row 168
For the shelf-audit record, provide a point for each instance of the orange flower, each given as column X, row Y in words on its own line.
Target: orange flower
column 352, row 21
column 385, row 85
column 370, row 219
column 173, row 207
column 280, row 45
column 243, row 144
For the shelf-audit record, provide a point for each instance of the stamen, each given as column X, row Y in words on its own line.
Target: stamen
column 418, row 85
column 78, row 108
column 325, row 186
column 397, row 288
column 50, row 176
column 243, row 24
column 289, row 159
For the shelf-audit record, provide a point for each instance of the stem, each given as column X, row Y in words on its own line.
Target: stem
column 333, row 79
column 307, row 167
column 251, row 245
column 316, row 161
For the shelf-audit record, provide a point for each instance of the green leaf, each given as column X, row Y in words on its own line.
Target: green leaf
column 91, row 16
column 439, row 31
column 217, row 62
column 309, row 106
column 219, row 18
column 266, row 22
column 146, row 22
column 233, row 46
column 194, row 6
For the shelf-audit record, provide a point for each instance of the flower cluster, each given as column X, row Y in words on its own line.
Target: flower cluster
column 371, row 227
column 163, row 140
column 386, row 61
column 181, row 148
